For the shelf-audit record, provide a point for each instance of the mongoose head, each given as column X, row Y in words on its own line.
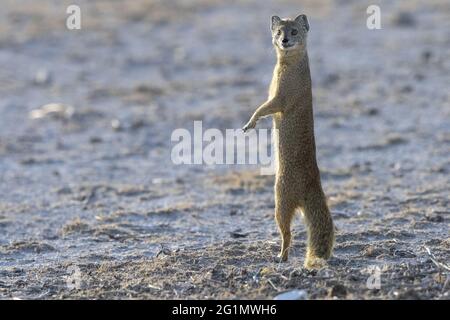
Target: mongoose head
column 289, row 36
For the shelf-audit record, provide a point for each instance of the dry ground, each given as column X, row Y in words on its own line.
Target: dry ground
column 93, row 186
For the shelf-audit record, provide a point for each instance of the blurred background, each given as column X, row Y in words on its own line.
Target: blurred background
column 85, row 123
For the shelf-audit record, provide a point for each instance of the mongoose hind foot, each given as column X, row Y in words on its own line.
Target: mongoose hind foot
column 281, row 258
column 315, row 263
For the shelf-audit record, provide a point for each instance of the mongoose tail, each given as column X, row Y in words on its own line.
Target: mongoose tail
column 320, row 228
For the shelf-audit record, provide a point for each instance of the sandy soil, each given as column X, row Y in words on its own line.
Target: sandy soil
column 91, row 185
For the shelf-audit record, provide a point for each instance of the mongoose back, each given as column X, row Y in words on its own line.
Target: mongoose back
column 297, row 183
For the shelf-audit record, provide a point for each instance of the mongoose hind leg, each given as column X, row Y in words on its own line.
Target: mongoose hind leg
column 284, row 213
column 320, row 229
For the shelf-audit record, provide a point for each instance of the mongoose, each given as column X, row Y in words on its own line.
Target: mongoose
column 297, row 182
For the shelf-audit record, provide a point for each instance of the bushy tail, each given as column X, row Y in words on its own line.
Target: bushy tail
column 320, row 228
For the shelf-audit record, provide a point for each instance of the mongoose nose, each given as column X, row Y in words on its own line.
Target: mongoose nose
column 285, row 40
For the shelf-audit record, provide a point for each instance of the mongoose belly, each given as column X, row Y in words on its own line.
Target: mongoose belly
column 295, row 152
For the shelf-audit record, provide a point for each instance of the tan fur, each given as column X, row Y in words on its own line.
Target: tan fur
column 297, row 184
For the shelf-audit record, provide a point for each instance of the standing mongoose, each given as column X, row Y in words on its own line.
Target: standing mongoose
column 297, row 183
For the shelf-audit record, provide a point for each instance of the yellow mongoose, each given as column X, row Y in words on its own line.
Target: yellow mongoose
column 297, row 184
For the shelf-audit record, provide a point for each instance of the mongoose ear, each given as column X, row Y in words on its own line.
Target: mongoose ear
column 303, row 20
column 275, row 20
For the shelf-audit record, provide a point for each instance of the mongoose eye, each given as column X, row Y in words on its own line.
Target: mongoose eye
column 294, row 32
column 279, row 32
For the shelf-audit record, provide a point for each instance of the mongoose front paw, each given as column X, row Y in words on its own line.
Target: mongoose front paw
column 249, row 125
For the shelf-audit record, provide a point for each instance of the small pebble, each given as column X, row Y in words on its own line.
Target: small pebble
column 292, row 295
column 56, row 110
column 42, row 77
column 116, row 125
